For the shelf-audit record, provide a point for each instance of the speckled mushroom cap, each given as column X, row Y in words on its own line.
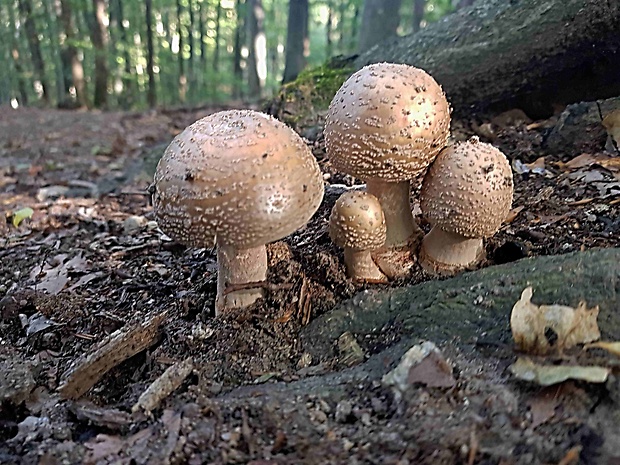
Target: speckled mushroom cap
column 240, row 175
column 468, row 189
column 357, row 221
column 387, row 121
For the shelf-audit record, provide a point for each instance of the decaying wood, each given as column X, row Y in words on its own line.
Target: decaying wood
column 85, row 372
column 163, row 386
column 527, row 53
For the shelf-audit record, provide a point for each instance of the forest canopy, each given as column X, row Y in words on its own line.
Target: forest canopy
column 130, row 55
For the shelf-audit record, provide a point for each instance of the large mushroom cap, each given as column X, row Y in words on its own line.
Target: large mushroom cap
column 468, row 189
column 357, row 221
column 239, row 175
column 387, row 121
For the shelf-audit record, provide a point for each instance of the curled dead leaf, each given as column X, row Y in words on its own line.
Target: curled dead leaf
column 530, row 322
column 546, row 375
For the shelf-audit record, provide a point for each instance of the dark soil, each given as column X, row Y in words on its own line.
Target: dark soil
column 91, row 261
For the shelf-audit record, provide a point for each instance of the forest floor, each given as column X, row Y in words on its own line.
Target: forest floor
column 254, row 387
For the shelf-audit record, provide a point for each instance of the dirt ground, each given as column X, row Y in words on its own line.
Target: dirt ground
column 91, row 261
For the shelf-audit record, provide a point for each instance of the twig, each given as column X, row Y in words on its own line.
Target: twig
column 256, row 284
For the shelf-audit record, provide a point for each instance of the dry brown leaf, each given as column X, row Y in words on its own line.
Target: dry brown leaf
column 512, row 214
column 547, row 375
column 611, row 122
column 586, row 160
column 529, row 323
column 543, row 406
column 611, row 347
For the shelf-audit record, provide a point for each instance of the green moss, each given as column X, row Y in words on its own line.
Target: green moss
column 321, row 83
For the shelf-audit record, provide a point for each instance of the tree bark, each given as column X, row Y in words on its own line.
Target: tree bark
column 239, row 39
column 257, row 56
column 190, row 43
column 216, row 52
column 529, row 54
column 99, row 37
column 296, row 39
column 182, row 76
column 25, row 8
column 418, row 14
column 152, row 93
column 54, row 41
column 17, row 62
column 125, row 45
column 380, row 21
column 329, row 43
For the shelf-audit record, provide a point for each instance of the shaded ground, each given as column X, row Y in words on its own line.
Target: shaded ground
column 91, row 261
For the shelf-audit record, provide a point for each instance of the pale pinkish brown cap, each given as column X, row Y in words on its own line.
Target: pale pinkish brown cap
column 240, row 175
column 387, row 121
column 357, row 221
column 468, row 189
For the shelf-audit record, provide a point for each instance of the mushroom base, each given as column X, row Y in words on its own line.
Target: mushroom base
column 445, row 253
column 397, row 262
column 236, row 269
column 399, row 222
column 361, row 267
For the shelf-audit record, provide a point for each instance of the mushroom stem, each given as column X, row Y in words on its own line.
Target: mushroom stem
column 239, row 267
column 394, row 199
column 361, row 267
column 447, row 253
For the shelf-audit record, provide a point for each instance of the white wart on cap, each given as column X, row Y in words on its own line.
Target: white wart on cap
column 466, row 194
column 357, row 224
column 244, row 179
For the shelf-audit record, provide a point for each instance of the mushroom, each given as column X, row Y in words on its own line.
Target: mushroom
column 466, row 194
column 239, row 179
column 357, row 224
column 385, row 125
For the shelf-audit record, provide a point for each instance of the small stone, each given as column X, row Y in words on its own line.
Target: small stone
column 133, row 223
column 343, row 411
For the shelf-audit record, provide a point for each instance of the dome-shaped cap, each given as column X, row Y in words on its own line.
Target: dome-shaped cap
column 240, row 175
column 387, row 121
column 357, row 221
column 468, row 189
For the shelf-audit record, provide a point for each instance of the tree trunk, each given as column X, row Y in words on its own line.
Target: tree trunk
column 329, row 43
column 203, row 35
column 257, row 53
column 379, row 21
column 216, row 52
column 418, row 14
column 52, row 31
column 190, row 58
column 125, row 45
column 152, row 94
column 17, row 62
column 25, row 8
column 296, row 39
column 528, row 54
column 100, row 42
column 239, row 39
column 76, row 70
column 182, row 77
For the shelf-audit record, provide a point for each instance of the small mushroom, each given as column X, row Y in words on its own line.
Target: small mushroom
column 357, row 224
column 466, row 194
column 385, row 125
column 239, row 179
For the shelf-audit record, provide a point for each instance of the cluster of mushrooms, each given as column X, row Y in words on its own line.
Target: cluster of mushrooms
column 240, row 179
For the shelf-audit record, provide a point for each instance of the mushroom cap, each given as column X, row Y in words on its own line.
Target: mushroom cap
column 241, row 176
column 468, row 189
column 357, row 222
column 387, row 121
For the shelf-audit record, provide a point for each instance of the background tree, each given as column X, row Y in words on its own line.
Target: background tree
column 100, row 41
column 380, row 21
column 296, row 39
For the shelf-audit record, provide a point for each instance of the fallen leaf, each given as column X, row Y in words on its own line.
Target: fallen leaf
column 21, row 214
column 571, row 457
column 611, row 122
column 536, row 167
column 433, row 371
column 586, row 160
column 542, row 406
column 512, row 214
column 530, row 322
column 546, row 375
column 611, row 347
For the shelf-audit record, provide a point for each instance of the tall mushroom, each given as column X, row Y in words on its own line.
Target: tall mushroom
column 240, row 179
column 357, row 224
column 385, row 125
column 466, row 194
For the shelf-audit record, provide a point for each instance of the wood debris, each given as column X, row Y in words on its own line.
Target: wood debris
column 85, row 372
column 163, row 386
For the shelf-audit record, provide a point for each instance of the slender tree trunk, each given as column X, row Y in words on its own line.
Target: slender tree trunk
column 25, row 8
column 342, row 14
column 418, row 14
column 379, row 21
column 203, row 35
column 216, row 52
column 182, row 76
column 190, row 59
column 329, row 44
column 125, row 46
column 296, row 39
column 52, row 30
column 257, row 53
column 100, row 42
column 355, row 23
column 17, row 61
column 152, row 93
column 76, row 70
column 239, row 40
